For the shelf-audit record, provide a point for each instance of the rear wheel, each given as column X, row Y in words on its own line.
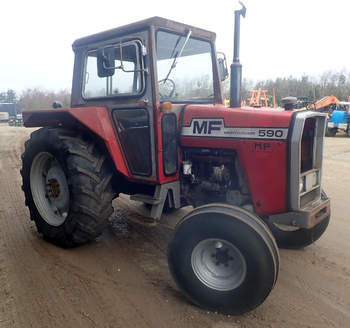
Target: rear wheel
column 67, row 186
column 224, row 259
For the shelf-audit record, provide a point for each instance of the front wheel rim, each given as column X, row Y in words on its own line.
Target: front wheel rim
column 218, row 264
column 49, row 188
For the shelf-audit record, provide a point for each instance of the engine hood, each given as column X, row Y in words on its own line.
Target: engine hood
column 248, row 123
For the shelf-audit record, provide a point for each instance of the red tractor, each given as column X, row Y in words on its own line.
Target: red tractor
column 147, row 119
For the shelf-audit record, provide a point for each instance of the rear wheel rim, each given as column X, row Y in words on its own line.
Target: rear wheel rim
column 49, row 188
column 218, row 264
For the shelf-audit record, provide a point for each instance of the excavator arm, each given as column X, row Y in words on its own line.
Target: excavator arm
column 324, row 103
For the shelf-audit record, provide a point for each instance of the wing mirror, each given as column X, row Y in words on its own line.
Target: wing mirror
column 222, row 66
column 105, row 62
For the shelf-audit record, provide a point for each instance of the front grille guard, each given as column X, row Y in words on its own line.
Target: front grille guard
column 296, row 200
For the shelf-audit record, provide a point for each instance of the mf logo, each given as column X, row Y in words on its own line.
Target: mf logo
column 203, row 126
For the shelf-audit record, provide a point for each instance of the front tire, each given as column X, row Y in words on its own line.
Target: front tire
column 67, row 186
column 224, row 259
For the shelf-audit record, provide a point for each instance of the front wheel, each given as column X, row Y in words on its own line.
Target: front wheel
column 67, row 186
column 224, row 259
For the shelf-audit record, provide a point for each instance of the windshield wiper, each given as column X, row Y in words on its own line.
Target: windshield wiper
column 178, row 54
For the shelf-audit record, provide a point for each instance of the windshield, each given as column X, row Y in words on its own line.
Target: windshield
column 185, row 75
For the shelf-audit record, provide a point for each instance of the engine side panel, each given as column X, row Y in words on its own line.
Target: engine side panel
column 260, row 139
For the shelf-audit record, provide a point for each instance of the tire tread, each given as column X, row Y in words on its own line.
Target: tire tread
column 89, row 177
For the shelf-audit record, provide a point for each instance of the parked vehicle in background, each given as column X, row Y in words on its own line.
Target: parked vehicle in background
column 4, row 117
column 339, row 119
column 19, row 120
column 12, row 120
column 303, row 103
column 10, row 108
column 325, row 104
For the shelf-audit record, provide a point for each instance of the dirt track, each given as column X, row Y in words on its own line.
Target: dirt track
column 122, row 280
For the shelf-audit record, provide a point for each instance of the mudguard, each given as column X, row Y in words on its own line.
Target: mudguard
column 96, row 119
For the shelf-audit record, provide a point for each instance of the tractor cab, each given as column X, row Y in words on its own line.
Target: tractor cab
column 140, row 72
column 152, row 61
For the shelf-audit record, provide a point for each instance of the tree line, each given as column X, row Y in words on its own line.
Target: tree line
column 313, row 88
column 35, row 98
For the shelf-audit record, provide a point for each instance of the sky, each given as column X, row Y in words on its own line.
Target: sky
column 278, row 38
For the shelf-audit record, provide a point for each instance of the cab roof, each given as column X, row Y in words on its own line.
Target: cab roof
column 156, row 22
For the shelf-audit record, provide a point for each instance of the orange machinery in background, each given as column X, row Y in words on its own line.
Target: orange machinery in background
column 260, row 98
column 325, row 104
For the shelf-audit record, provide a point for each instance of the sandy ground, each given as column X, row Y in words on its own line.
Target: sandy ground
column 122, row 279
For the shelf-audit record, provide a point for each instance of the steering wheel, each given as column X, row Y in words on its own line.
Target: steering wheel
column 166, row 88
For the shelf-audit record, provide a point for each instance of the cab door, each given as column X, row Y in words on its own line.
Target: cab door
column 117, row 76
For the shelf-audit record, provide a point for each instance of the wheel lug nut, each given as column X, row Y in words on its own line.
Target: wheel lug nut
column 219, row 244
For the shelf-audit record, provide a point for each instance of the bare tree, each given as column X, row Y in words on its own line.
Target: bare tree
column 43, row 99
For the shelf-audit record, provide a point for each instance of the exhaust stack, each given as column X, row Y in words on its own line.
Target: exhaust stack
column 236, row 67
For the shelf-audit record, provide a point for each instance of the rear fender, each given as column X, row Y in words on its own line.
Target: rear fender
column 96, row 119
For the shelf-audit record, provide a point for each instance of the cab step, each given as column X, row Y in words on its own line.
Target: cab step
column 147, row 199
column 159, row 197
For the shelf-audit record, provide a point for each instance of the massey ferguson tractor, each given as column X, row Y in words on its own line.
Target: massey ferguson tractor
column 147, row 119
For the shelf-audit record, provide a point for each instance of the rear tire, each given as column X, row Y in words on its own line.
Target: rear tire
column 224, row 259
column 67, row 186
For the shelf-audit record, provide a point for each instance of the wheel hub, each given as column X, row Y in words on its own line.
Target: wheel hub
column 222, row 256
column 49, row 188
column 218, row 264
column 53, row 188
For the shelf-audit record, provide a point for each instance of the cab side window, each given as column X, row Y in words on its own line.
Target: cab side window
column 121, row 73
